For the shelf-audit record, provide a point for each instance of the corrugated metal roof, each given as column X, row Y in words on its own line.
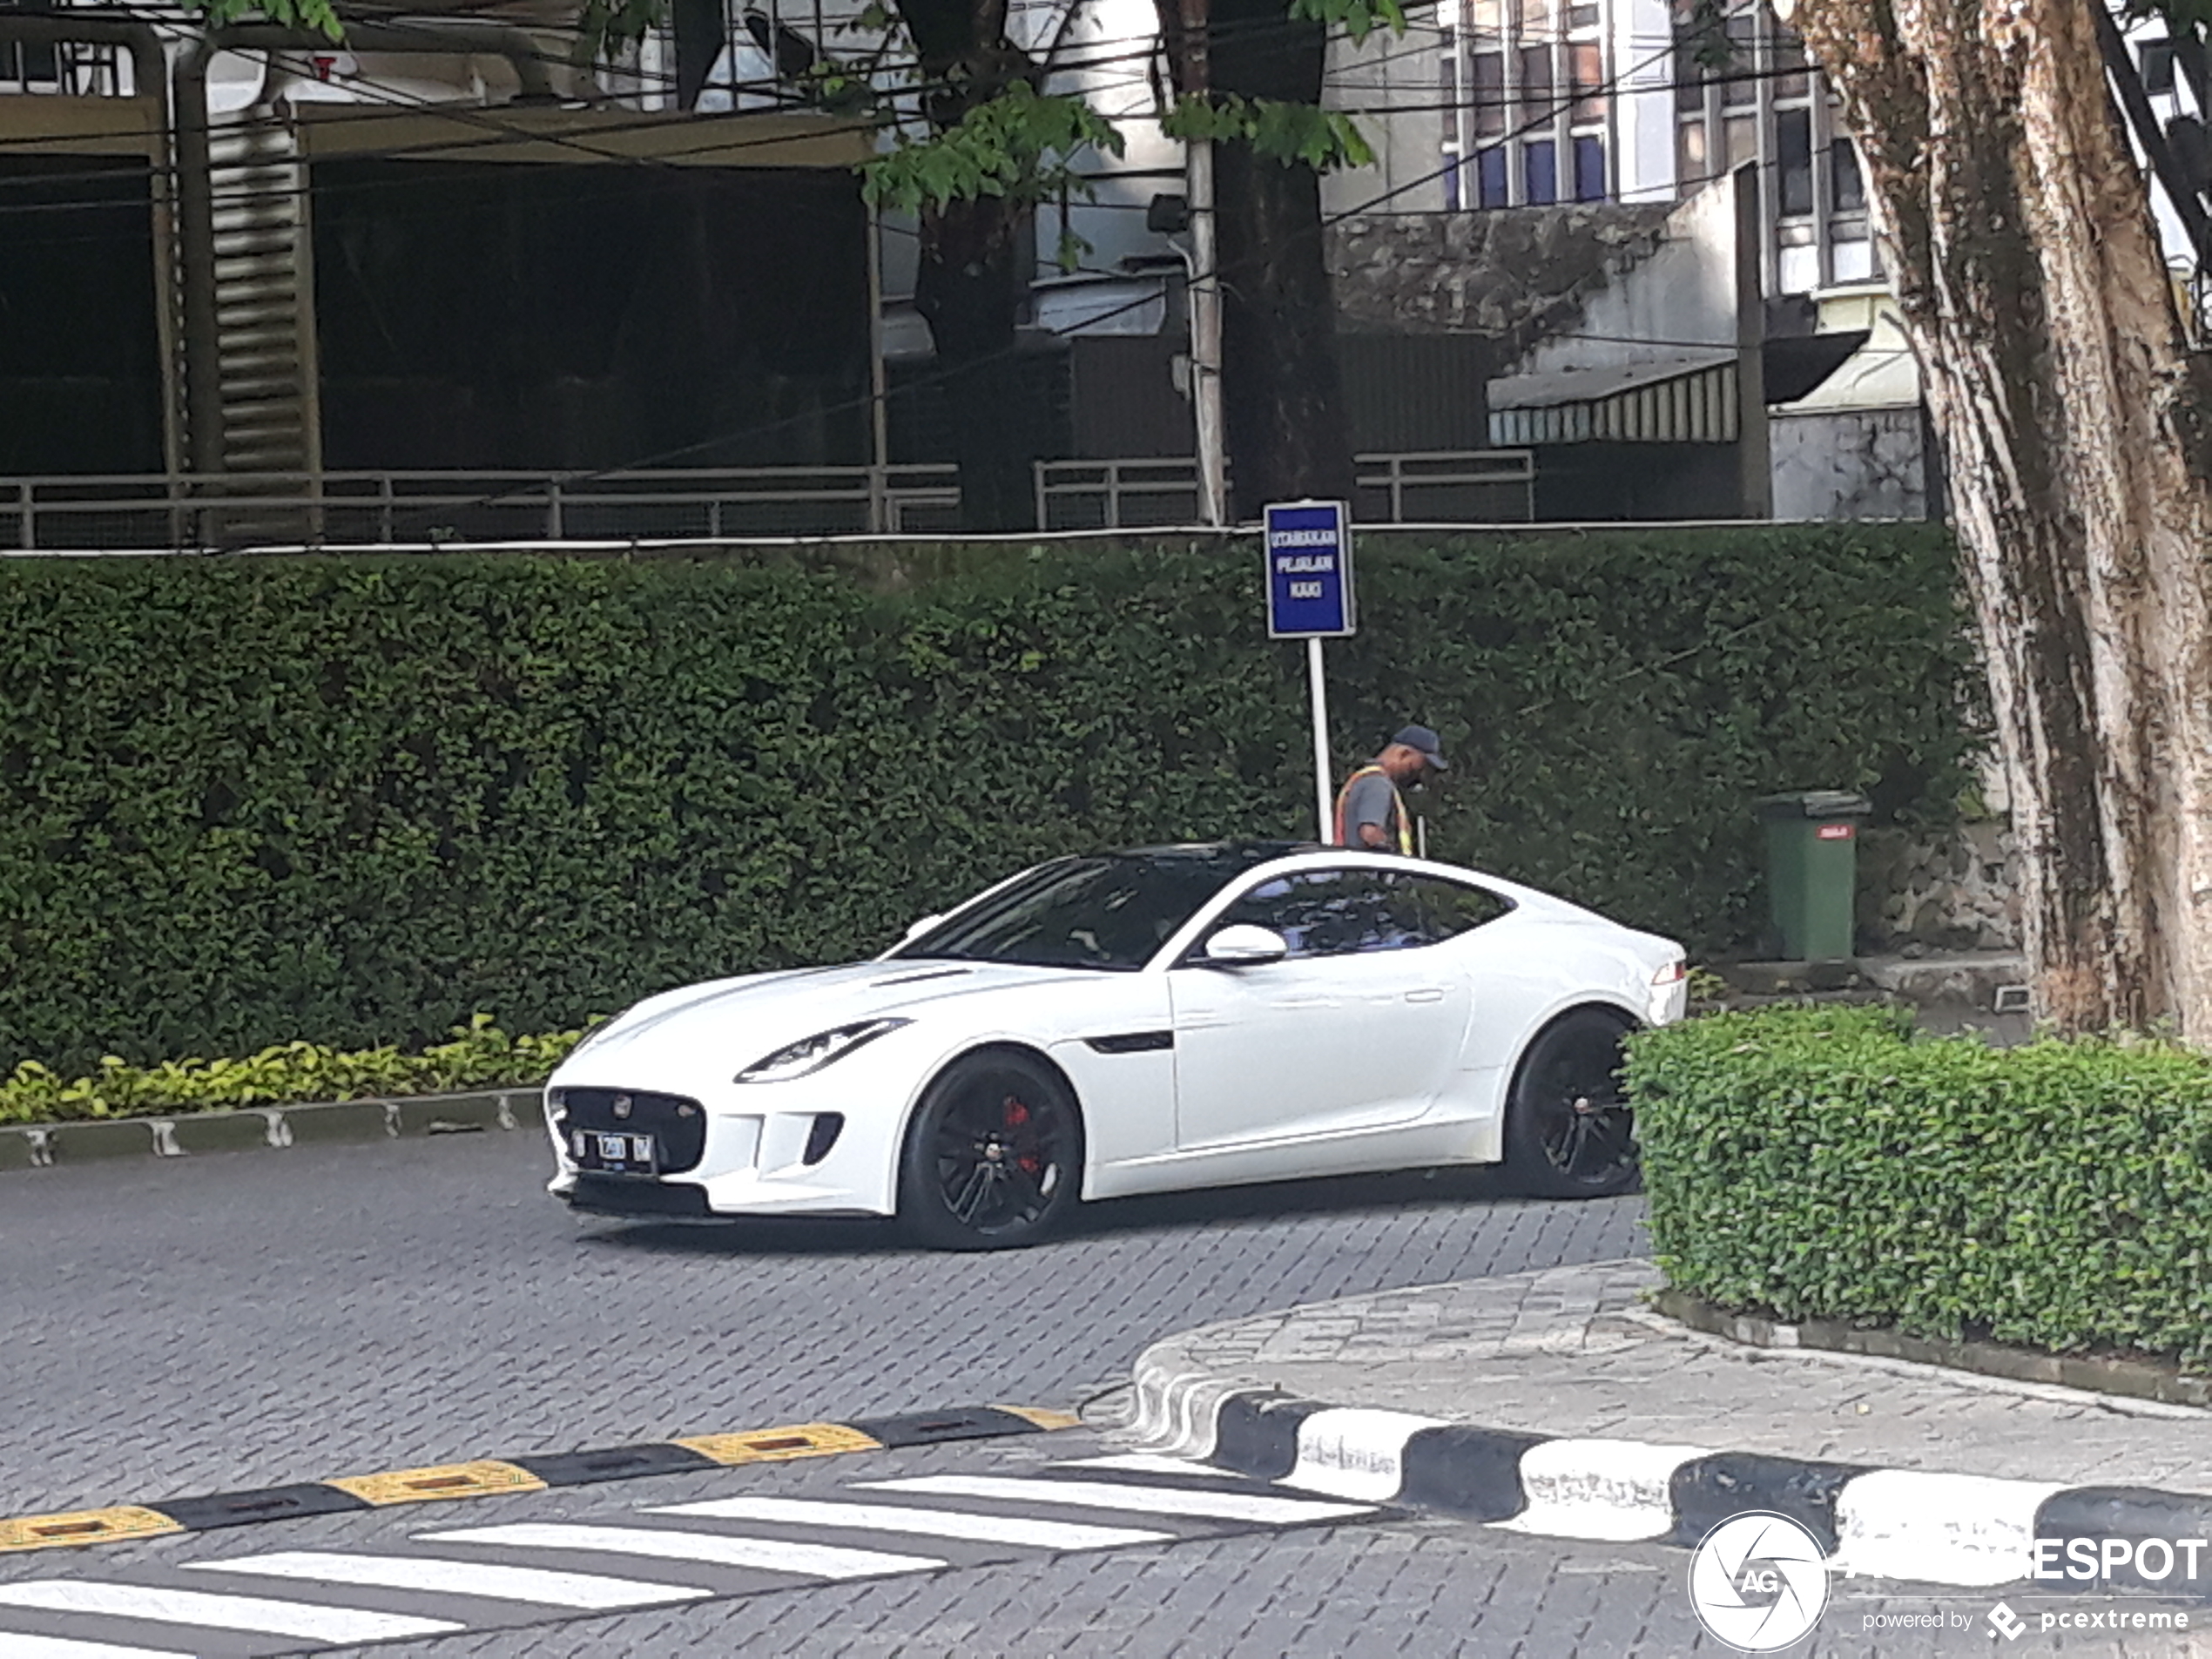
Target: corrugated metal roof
column 1690, row 399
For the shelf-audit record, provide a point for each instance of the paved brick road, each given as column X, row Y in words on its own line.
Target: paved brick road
column 180, row 1327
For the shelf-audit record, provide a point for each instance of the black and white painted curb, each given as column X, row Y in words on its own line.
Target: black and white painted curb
column 1953, row 1529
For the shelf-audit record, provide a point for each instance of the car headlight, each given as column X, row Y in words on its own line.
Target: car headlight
column 812, row 1054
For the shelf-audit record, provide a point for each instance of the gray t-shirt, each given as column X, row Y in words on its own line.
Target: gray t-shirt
column 1371, row 800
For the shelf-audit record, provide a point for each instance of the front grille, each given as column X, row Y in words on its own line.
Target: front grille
column 677, row 1124
column 617, row 1195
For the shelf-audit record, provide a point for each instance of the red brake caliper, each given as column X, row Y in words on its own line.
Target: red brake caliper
column 1016, row 1116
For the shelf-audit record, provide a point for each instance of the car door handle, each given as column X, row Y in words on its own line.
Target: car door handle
column 1427, row 994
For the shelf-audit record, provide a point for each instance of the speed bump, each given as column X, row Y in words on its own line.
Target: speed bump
column 780, row 1445
column 85, row 1527
column 535, row 1472
column 480, row 1479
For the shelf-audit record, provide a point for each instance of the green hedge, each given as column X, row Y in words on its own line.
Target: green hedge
column 352, row 799
column 1828, row 1162
column 476, row 1056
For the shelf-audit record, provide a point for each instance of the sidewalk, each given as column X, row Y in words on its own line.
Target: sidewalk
column 1588, row 1415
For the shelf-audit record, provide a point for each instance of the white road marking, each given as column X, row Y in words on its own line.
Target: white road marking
column 333, row 1624
column 1614, row 1490
column 1147, row 1463
column 1102, row 1494
column 587, row 1591
column 16, row 1645
column 768, row 1555
column 932, row 1523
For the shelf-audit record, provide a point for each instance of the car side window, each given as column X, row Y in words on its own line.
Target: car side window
column 1450, row 908
column 1335, row 912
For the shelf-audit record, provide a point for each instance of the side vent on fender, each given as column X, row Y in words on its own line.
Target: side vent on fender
column 827, row 1127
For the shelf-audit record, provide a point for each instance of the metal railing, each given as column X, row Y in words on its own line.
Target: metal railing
column 356, row 508
column 1442, row 487
column 146, row 511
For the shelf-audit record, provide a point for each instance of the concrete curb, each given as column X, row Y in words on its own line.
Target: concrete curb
column 37, row 1146
column 2130, row 1379
column 1953, row 1529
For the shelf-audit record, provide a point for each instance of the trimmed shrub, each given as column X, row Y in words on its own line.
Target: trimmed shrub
column 1830, row 1162
column 477, row 1056
column 354, row 799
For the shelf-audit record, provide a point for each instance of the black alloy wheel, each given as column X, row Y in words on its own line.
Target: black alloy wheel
column 1569, row 1130
column 994, row 1158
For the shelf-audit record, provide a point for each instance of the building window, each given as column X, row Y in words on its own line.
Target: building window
column 2155, row 62
column 1589, row 169
column 1491, row 165
column 1847, row 186
column 1542, row 185
column 1770, row 108
column 1490, row 94
column 1534, row 121
column 1793, row 159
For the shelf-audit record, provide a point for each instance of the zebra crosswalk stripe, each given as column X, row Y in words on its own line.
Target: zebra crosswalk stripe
column 766, row 1554
column 17, row 1645
column 1149, row 1463
column 591, row 1591
column 210, row 1612
column 932, row 1523
column 1104, row 1494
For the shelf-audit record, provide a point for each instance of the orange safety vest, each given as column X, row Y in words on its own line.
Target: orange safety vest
column 1397, row 807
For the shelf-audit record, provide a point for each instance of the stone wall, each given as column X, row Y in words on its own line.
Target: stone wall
column 1513, row 276
column 1921, row 892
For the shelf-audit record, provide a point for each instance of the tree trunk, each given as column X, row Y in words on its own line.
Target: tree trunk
column 1282, row 396
column 974, row 259
column 2017, row 234
column 976, row 263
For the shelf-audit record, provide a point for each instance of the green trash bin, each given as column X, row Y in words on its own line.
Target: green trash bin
column 1812, row 871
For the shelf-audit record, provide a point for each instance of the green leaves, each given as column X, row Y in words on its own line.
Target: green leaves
column 1324, row 139
column 355, row 799
column 1020, row 144
column 478, row 1056
column 1357, row 18
column 1822, row 1163
column 320, row 15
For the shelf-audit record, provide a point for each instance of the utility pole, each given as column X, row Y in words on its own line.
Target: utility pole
column 1203, row 293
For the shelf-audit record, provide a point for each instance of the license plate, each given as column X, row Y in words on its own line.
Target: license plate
column 614, row 1154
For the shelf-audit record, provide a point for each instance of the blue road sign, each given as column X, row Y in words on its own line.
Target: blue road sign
column 1309, row 570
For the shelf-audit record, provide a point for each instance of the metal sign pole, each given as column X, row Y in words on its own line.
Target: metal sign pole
column 1321, row 771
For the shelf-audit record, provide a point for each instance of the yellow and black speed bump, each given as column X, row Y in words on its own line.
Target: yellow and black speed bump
column 493, row 1477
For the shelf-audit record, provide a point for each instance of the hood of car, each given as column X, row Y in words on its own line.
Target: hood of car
column 730, row 1023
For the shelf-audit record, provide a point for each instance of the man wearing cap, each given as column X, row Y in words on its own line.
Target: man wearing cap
column 1371, row 813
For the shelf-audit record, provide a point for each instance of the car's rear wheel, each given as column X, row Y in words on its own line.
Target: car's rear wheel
column 1569, row 1131
column 994, row 1157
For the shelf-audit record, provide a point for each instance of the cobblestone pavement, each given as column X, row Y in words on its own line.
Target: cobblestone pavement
column 1391, row 1585
column 1571, row 1350
column 201, row 1325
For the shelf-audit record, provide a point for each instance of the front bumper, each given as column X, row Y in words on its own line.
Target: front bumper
column 815, row 1146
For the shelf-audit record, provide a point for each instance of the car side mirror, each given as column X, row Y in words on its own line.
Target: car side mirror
column 1246, row 945
column 916, row 930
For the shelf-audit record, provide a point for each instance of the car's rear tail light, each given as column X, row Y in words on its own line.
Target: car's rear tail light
column 827, row 1127
column 1677, row 970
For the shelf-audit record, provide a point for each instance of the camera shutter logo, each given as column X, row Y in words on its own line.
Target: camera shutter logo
column 1759, row 1582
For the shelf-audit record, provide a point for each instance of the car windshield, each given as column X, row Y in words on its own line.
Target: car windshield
column 1111, row 911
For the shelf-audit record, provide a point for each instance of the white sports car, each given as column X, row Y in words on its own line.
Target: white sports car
column 1136, row 1022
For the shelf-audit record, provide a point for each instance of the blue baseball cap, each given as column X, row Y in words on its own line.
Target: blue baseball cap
column 1430, row 747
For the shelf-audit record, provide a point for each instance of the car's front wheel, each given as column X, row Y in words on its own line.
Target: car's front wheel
column 994, row 1157
column 1569, row 1132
